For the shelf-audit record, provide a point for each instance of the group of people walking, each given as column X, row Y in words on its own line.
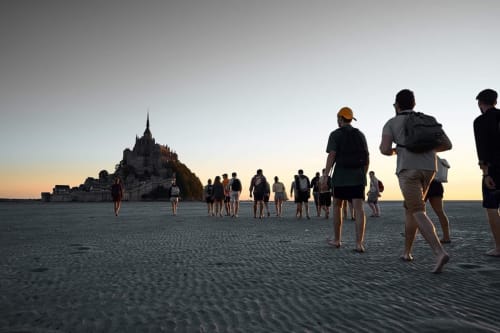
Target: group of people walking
column 223, row 194
column 416, row 167
column 420, row 173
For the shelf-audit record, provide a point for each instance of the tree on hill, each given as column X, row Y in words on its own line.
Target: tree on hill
column 189, row 183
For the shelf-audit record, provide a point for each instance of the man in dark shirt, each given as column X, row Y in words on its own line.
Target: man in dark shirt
column 487, row 136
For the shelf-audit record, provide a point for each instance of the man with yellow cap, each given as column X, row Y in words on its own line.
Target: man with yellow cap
column 349, row 158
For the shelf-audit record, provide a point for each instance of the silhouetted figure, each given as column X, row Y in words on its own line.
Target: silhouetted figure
column 487, row 136
column 415, row 172
column 117, row 195
column 174, row 193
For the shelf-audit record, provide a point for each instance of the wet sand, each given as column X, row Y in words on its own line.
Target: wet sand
column 75, row 267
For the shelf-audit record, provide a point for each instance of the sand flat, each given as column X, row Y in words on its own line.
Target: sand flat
column 75, row 267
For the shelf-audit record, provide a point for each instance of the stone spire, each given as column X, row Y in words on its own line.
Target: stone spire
column 147, row 132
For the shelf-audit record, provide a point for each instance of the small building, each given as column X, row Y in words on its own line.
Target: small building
column 61, row 189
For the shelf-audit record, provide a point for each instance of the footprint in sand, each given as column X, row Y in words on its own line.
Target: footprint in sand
column 39, row 270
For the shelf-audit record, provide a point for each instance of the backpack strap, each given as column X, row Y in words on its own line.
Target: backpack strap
column 403, row 113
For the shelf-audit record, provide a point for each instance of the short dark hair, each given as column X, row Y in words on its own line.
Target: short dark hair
column 233, row 174
column 405, row 99
column 487, row 96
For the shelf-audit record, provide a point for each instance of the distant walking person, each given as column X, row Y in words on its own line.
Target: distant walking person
column 373, row 195
column 279, row 195
column 348, row 151
column 174, row 193
column 294, row 192
column 415, row 172
column 218, row 192
column 267, row 196
column 235, row 190
column 227, row 194
column 325, row 193
column 435, row 197
column 209, row 197
column 117, row 195
column 315, row 190
column 304, row 188
column 258, row 190
column 487, row 137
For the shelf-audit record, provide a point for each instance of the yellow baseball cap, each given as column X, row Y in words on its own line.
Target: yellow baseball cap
column 346, row 113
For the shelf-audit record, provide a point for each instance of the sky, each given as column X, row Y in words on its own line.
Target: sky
column 233, row 85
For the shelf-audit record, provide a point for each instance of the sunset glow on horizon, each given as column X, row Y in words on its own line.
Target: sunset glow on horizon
column 234, row 86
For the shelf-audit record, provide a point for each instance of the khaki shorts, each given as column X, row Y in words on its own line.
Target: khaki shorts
column 414, row 185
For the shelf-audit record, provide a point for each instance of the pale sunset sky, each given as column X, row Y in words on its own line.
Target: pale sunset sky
column 233, row 85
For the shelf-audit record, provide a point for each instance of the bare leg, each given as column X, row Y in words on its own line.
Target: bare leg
column 351, row 210
column 174, row 208
column 437, row 206
column 372, row 207
column 428, row 231
column 255, row 209
column 337, row 223
column 236, row 208
column 116, row 205
column 377, row 209
column 410, row 233
column 494, row 221
column 316, row 203
column 360, row 224
column 307, row 209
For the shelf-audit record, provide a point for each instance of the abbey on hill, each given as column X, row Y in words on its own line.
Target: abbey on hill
column 146, row 172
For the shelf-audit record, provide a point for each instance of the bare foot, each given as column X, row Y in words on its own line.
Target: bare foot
column 333, row 243
column 441, row 261
column 406, row 257
column 359, row 248
column 493, row 253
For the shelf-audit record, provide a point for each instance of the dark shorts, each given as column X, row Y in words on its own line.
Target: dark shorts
column 227, row 199
column 435, row 190
column 304, row 196
column 491, row 198
column 325, row 199
column 266, row 197
column 209, row 199
column 257, row 196
column 219, row 197
column 349, row 192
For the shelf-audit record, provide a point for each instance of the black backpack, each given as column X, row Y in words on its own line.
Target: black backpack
column 236, row 185
column 352, row 151
column 422, row 132
column 210, row 190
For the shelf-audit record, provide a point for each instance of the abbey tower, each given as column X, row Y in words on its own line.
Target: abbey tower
column 146, row 171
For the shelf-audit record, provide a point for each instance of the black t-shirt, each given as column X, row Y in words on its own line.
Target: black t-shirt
column 487, row 135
